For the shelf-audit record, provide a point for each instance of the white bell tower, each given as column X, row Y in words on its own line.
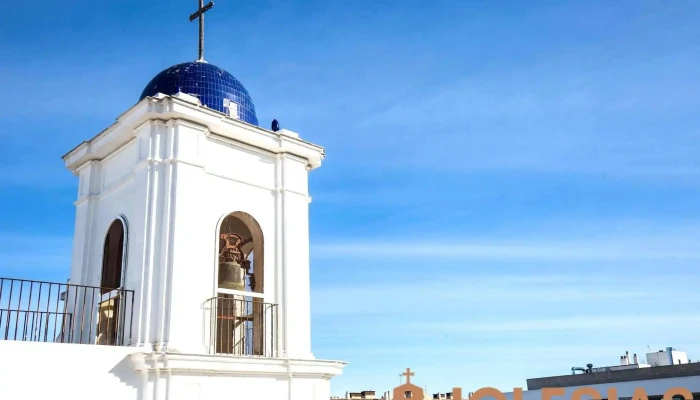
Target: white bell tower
column 203, row 220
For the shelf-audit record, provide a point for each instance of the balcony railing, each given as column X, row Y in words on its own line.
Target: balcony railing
column 64, row 313
column 241, row 325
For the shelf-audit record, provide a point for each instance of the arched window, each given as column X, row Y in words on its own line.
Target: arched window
column 113, row 257
column 109, row 325
column 240, row 312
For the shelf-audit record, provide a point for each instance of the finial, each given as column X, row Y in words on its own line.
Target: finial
column 275, row 125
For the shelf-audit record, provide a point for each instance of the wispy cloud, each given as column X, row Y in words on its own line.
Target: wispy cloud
column 555, row 240
column 659, row 322
column 38, row 175
column 31, row 257
column 468, row 294
column 513, row 353
column 517, row 250
column 557, row 116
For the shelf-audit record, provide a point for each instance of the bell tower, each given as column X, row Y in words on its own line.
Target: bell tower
column 190, row 270
column 202, row 217
column 213, row 214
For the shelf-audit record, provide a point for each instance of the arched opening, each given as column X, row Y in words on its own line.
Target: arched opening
column 111, row 281
column 113, row 257
column 241, row 258
column 240, row 309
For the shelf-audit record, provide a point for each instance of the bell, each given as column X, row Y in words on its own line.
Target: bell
column 231, row 276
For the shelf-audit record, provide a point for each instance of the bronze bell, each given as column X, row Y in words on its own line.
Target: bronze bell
column 233, row 266
column 231, row 276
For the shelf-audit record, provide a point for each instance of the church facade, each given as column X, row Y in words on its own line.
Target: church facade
column 190, row 269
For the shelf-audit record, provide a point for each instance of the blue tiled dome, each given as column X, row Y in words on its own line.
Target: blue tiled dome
column 209, row 83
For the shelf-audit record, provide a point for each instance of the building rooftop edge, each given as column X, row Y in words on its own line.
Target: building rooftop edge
column 614, row 376
column 160, row 107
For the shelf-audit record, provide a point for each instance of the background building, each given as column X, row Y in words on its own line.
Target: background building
column 658, row 372
column 409, row 390
column 365, row 394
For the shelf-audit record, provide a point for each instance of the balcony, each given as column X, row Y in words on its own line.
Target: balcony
column 241, row 325
column 39, row 311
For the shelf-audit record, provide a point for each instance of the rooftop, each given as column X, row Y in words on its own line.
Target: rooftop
column 669, row 363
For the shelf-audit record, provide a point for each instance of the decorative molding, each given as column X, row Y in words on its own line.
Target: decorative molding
column 213, row 123
column 234, row 366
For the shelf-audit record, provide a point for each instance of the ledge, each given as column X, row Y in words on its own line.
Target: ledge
column 164, row 108
column 239, row 366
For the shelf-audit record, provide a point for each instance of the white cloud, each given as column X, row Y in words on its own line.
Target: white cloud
column 660, row 322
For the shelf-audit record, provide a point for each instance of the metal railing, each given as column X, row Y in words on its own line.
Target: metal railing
column 64, row 313
column 241, row 325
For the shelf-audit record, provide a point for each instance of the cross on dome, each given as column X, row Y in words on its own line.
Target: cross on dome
column 215, row 88
column 200, row 14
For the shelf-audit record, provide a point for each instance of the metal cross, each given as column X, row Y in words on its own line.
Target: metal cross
column 408, row 374
column 200, row 14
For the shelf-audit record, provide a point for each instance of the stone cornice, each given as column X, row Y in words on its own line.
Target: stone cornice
column 223, row 365
column 168, row 108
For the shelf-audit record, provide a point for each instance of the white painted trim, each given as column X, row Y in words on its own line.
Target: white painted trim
column 279, row 276
column 125, row 249
column 170, row 108
column 168, row 240
column 239, row 366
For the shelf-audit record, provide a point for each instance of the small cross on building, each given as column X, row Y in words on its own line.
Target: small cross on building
column 408, row 374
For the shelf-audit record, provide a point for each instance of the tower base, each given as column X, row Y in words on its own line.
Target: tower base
column 88, row 372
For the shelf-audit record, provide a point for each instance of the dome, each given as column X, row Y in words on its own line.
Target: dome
column 207, row 82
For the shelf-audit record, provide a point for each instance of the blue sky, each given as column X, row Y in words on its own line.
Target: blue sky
column 511, row 188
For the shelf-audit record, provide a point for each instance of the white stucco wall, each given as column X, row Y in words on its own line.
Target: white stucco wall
column 33, row 370
column 172, row 179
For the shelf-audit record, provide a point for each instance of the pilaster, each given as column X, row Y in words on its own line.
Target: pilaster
column 293, row 256
column 154, row 173
column 84, row 236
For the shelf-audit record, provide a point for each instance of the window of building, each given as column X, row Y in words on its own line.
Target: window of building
column 108, row 308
